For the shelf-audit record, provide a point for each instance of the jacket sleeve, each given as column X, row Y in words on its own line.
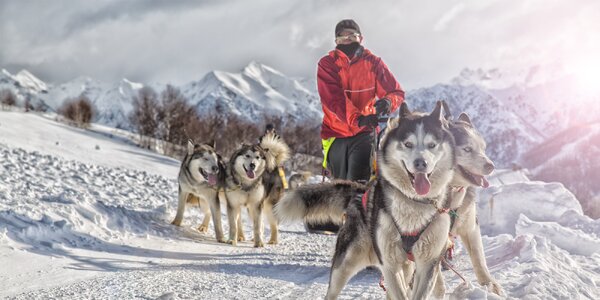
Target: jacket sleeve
column 332, row 93
column 387, row 86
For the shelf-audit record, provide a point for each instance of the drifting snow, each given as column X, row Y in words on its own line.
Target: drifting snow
column 76, row 222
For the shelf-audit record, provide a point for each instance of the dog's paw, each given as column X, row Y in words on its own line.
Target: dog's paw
column 493, row 287
column 232, row 242
column 203, row 228
column 259, row 244
column 222, row 240
column 241, row 238
column 272, row 242
column 176, row 223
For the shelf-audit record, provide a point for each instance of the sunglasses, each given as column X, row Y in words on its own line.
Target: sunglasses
column 353, row 37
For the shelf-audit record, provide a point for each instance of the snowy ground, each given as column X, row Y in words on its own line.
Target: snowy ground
column 84, row 214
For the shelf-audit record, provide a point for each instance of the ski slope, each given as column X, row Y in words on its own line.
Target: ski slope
column 86, row 214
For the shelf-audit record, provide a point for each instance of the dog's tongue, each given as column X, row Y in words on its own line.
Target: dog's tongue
column 212, row 179
column 484, row 182
column 250, row 174
column 481, row 181
column 421, row 184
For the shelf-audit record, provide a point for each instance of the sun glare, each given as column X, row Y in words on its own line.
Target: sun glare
column 586, row 72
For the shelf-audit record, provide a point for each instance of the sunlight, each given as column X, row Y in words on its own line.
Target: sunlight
column 586, row 72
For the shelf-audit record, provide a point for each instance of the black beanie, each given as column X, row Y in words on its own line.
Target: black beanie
column 346, row 24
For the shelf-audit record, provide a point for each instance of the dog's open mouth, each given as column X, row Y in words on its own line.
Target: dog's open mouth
column 419, row 181
column 477, row 180
column 249, row 173
column 211, row 178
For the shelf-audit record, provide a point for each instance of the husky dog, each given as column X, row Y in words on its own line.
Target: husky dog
column 408, row 199
column 201, row 174
column 276, row 153
column 244, row 187
column 472, row 164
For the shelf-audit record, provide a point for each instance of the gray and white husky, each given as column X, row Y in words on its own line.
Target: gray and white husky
column 244, row 187
column 472, row 164
column 201, row 175
column 409, row 198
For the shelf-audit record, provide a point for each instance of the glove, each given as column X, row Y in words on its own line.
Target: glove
column 368, row 120
column 382, row 106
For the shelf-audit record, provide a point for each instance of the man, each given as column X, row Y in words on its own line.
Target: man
column 355, row 87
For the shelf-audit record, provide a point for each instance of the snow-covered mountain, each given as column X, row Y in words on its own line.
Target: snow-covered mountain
column 256, row 92
column 514, row 110
column 573, row 158
column 506, row 134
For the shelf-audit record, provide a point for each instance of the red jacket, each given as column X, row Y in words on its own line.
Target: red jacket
column 349, row 88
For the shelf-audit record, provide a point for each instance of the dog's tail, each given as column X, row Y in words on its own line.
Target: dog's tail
column 318, row 203
column 276, row 150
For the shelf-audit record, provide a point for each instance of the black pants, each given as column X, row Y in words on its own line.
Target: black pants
column 348, row 158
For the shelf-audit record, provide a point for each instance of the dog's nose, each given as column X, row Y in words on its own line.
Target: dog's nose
column 215, row 169
column 488, row 167
column 420, row 165
column 252, row 166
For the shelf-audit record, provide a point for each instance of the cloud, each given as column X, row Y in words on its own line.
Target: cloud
column 448, row 17
column 180, row 41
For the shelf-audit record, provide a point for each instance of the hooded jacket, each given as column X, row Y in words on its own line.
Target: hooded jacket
column 348, row 89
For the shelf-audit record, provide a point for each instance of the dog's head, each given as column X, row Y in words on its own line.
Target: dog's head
column 417, row 153
column 472, row 162
column 203, row 163
column 249, row 161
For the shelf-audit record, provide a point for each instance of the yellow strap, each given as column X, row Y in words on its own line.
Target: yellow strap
column 326, row 145
column 282, row 175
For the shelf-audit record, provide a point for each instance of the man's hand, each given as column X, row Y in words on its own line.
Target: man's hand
column 368, row 120
column 382, row 106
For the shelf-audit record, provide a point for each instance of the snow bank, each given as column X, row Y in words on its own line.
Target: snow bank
column 500, row 206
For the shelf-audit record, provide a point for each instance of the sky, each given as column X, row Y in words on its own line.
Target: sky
column 422, row 42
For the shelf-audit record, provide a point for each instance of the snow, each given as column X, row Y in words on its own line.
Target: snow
column 78, row 222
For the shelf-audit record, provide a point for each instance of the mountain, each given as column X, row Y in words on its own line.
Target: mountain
column 571, row 157
column 507, row 134
column 257, row 91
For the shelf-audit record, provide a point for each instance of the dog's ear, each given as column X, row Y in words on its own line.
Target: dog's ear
column 212, row 143
column 465, row 118
column 437, row 113
column 447, row 113
column 392, row 123
column 190, row 147
column 404, row 111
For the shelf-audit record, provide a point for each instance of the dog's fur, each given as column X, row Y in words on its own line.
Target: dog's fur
column 277, row 152
column 201, row 174
column 299, row 179
column 472, row 165
column 416, row 162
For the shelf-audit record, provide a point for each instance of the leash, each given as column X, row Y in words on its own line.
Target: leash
column 449, row 266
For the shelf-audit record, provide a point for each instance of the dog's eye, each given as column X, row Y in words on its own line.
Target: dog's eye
column 431, row 145
column 408, row 145
column 467, row 149
column 247, row 155
column 258, row 157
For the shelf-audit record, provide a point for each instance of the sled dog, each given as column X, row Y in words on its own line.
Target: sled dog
column 201, row 174
column 472, row 164
column 401, row 216
column 244, row 187
column 277, row 152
